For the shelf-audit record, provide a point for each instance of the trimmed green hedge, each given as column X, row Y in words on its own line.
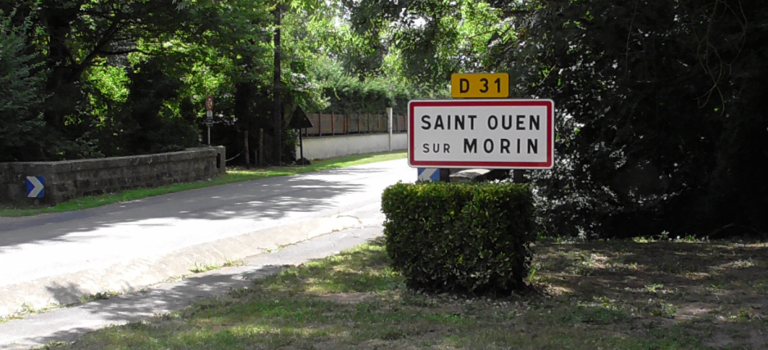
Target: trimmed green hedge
column 460, row 237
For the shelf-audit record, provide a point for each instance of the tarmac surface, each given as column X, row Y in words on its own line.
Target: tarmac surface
column 134, row 247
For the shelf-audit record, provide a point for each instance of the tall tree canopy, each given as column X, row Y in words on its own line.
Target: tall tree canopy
column 659, row 115
column 658, row 118
column 129, row 76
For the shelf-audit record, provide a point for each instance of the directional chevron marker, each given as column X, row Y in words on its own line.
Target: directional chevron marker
column 35, row 186
column 429, row 174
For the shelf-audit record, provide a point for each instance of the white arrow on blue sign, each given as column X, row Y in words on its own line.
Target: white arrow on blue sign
column 35, row 186
column 429, row 174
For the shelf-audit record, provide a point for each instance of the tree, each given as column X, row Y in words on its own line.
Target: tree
column 657, row 111
column 430, row 39
column 646, row 95
column 21, row 124
column 122, row 77
column 76, row 35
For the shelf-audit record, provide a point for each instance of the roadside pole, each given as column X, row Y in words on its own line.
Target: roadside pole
column 209, row 116
column 389, row 117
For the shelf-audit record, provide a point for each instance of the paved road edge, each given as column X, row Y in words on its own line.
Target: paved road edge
column 136, row 274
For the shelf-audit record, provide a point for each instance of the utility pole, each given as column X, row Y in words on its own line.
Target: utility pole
column 278, row 110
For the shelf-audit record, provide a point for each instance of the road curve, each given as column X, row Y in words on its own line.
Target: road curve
column 54, row 258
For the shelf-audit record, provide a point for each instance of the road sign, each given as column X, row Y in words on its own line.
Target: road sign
column 491, row 134
column 429, row 174
column 209, row 122
column 209, row 103
column 481, row 85
column 35, row 186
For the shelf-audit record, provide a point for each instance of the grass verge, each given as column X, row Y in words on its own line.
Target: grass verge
column 233, row 175
column 597, row 295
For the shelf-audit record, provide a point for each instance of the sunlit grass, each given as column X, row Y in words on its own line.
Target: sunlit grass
column 353, row 300
column 233, row 175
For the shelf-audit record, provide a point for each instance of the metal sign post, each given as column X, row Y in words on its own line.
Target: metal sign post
column 209, row 116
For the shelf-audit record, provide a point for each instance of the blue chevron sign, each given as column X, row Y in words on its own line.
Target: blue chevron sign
column 429, row 174
column 35, row 186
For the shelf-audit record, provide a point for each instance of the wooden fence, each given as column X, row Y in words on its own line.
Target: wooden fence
column 338, row 124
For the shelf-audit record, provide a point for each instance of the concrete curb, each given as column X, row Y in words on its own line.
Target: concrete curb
column 133, row 275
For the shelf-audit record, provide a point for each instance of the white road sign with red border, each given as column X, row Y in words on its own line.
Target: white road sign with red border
column 209, row 103
column 494, row 134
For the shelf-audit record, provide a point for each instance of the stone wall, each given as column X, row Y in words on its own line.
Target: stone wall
column 77, row 178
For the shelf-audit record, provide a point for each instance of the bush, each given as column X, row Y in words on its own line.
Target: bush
column 460, row 237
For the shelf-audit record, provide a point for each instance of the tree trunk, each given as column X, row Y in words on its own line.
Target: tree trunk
column 278, row 126
column 61, row 74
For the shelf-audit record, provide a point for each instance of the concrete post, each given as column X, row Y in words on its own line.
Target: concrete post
column 389, row 117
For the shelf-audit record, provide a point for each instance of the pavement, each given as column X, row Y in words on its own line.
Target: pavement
column 133, row 247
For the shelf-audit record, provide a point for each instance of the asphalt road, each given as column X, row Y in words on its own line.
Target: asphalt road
column 69, row 324
column 54, row 258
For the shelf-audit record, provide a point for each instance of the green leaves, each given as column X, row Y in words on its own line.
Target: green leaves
column 21, row 125
column 460, row 237
column 427, row 41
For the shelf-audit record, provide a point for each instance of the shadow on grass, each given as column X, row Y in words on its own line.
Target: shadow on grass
column 679, row 280
column 603, row 309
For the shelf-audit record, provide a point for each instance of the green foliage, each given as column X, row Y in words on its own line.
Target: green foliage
column 427, row 41
column 348, row 94
column 21, row 124
column 460, row 237
column 648, row 107
column 659, row 107
column 121, row 77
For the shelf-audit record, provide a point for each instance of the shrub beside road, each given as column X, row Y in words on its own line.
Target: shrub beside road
column 460, row 237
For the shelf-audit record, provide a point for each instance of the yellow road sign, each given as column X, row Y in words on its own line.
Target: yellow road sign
column 480, row 85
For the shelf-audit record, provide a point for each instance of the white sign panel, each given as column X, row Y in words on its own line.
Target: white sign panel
column 501, row 134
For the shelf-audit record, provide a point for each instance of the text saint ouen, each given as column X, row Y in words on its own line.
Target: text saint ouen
column 502, row 145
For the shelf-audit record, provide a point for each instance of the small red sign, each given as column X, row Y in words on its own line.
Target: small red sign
column 209, row 103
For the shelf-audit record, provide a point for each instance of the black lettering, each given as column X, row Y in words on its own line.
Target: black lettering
column 463, row 85
column 498, row 85
column 504, row 120
column 485, row 85
column 439, row 122
column 448, row 121
column 436, row 148
column 446, row 148
column 518, row 146
column 472, row 122
column 470, row 147
column 520, row 121
column 495, row 121
column 530, row 126
column 488, row 149
column 425, row 120
column 533, row 144
column 459, row 120
column 504, row 146
column 426, row 148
